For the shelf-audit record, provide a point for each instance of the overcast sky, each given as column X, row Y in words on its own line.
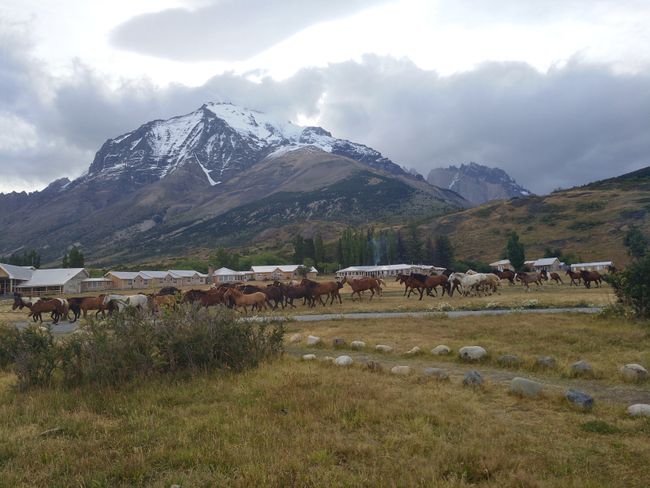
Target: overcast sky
column 556, row 92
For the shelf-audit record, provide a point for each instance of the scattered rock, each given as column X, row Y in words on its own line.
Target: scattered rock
column 546, row 362
column 525, row 387
column 383, row 348
column 639, row 410
column 295, row 338
column 582, row 368
column 472, row 353
column 373, row 365
column 473, row 378
column 313, row 340
column 579, row 399
column 400, row 370
column 357, row 344
column 343, row 361
column 633, row 373
column 441, row 350
column 416, row 350
column 308, row 357
column 327, row 359
column 509, row 361
column 338, row 342
column 437, row 373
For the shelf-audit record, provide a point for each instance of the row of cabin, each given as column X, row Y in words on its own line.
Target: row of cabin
column 31, row 281
column 389, row 270
column 554, row 265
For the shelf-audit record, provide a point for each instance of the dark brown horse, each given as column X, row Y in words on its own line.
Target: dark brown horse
column 589, row 276
column 506, row 274
column 329, row 288
column 81, row 305
column 412, row 282
column 527, row 278
column 575, row 277
column 292, row 292
column 58, row 307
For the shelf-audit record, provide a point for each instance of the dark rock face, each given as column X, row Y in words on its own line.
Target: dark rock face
column 477, row 183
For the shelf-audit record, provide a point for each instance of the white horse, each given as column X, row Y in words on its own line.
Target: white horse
column 138, row 301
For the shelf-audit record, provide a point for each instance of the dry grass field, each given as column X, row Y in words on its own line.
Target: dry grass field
column 298, row 423
column 548, row 295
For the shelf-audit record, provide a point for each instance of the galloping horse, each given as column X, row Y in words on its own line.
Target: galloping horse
column 329, row 288
column 506, row 274
column 552, row 275
column 527, row 278
column 58, row 307
column 363, row 284
column 79, row 305
column 589, row 276
column 575, row 277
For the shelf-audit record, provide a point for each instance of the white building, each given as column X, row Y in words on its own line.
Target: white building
column 595, row 266
column 54, row 281
column 502, row 265
column 280, row 272
column 387, row 270
column 227, row 275
column 11, row 276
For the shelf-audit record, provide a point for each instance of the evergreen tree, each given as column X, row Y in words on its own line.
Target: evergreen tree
column 298, row 249
column 400, row 248
column 443, row 252
column 413, row 243
column 309, row 250
column 429, row 251
column 636, row 243
column 319, row 250
column 66, row 262
column 75, row 258
column 515, row 251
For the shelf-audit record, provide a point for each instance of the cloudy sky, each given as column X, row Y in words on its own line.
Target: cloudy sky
column 556, row 92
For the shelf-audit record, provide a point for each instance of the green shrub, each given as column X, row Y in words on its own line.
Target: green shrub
column 34, row 355
column 632, row 286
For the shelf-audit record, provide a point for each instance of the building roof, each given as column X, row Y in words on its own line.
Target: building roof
column 285, row 268
column 18, row 272
column 52, row 277
column 153, row 274
column 545, row 261
column 228, row 272
column 123, row 275
column 387, row 267
column 502, row 262
column 97, row 279
column 183, row 273
column 596, row 263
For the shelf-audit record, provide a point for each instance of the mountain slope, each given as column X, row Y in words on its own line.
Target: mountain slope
column 477, row 183
column 188, row 176
column 589, row 221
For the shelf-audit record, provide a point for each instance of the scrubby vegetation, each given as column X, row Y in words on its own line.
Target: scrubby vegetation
column 131, row 345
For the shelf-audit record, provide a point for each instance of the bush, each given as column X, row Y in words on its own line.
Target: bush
column 632, row 287
column 132, row 345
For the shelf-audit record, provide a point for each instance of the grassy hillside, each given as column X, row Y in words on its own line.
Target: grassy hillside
column 589, row 221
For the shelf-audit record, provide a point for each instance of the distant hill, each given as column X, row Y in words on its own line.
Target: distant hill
column 589, row 221
column 477, row 183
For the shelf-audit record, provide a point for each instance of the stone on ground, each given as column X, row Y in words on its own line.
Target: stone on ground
column 634, row 372
column 440, row 350
column 582, row 368
column 473, row 378
column 525, row 387
column 357, row 344
column 308, row 357
column 437, row 373
column 639, row 410
column 546, row 362
column 313, row 340
column 400, row 370
column 472, row 353
column 579, row 399
column 373, row 365
column 343, row 361
column 295, row 338
column 383, row 348
column 327, row 359
column 509, row 360
column 414, row 351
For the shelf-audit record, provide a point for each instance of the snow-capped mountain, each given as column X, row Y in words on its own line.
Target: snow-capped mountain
column 477, row 183
column 220, row 174
column 222, row 139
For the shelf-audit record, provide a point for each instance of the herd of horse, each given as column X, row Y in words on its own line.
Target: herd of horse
column 240, row 296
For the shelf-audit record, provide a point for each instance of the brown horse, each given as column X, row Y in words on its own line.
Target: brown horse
column 589, row 276
column 158, row 302
column 575, row 277
column 362, row 284
column 81, row 305
column 329, row 288
column 527, row 278
column 292, row 292
column 552, row 276
column 411, row 283
column 256, row 300
column 506, row 274
column 58, row 307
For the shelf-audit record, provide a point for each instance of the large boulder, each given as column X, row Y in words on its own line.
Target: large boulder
column 441, row 350
column 525, row 387
column 313, row 340
column 582, row 368
column 579, row 399
column 633, row 373
column 639, row 410
column 473, row 378
column 357, row 344
column 472, row 353
column 343, row 361
column 383, row 348
column 400, row 370
column 437, row 373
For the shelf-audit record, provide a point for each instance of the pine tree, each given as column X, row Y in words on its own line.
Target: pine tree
column 515, row 251
column 636, row 243
column 443, row 252
column 75, row 258
column 319, row 250
column 298, row 249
